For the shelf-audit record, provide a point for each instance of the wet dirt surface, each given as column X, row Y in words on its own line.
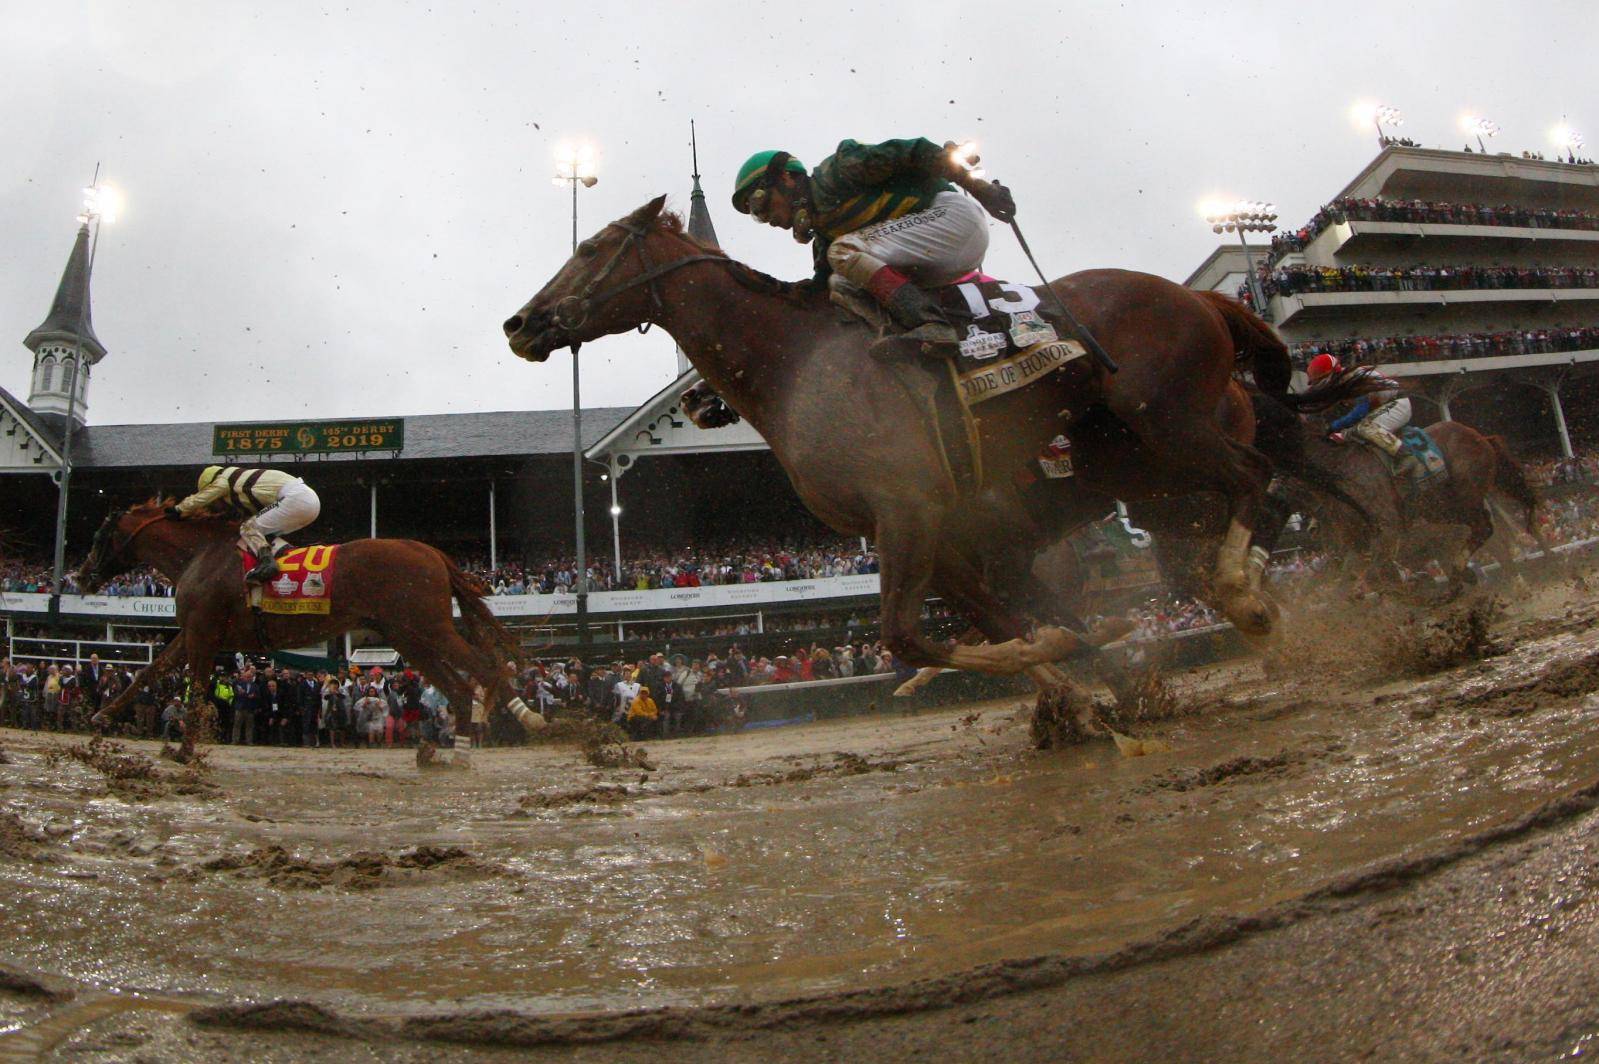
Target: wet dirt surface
column 923, row 853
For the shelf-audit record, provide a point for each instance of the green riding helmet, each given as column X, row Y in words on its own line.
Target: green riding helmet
column 754, row 173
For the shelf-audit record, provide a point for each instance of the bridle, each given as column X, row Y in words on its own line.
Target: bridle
column 573, row 311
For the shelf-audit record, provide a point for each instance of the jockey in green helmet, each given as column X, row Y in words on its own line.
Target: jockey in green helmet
column 883, row 217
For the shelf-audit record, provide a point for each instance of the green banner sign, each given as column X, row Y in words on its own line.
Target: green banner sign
column 308, row 437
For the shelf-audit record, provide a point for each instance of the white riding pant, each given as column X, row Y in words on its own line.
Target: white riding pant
column 297, row 506
column 932, row 247
column 1390, row 417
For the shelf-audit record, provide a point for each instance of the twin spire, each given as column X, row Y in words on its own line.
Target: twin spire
column 64, row 345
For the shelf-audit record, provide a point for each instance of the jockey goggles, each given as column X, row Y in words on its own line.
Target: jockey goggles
column 757, row 204
column 760, row 198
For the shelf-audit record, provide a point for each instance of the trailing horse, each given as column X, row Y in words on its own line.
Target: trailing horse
column 1381, row 508
column 399, row 587
column 854, row 436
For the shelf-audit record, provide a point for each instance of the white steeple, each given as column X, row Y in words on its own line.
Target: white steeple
column 64, row 344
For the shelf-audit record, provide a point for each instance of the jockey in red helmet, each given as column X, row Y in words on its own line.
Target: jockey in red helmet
column 1321, row 367
column 1375, row 418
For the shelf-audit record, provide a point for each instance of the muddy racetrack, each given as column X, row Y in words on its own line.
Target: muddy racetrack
column 1336, row 860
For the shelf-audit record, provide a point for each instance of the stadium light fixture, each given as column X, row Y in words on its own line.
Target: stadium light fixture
column 101, row 203
column 1243, row 216
column 1567, row 139
column 1370, row 113
column 575, row 162
column 1479, row 127
column 575, row 166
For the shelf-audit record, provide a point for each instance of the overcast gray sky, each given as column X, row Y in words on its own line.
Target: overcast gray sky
column 347, row 199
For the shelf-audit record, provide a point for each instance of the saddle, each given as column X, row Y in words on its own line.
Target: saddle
column 1009, row 341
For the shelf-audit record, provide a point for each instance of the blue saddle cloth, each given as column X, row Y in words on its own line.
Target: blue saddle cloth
column 1429, row 458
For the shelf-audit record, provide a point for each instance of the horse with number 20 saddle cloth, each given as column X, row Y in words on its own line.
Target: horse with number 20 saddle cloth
column 304, row 583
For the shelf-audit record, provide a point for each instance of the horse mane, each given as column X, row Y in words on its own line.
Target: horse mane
column 796, row 292
column 156, row 503
column 1350, row 384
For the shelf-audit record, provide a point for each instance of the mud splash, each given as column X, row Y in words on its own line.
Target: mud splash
column 19, row 842
column 1463, row 633
column 364, row 870
column 132, row 776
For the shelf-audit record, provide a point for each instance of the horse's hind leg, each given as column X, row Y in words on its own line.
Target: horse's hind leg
column 1204, row 458
column 455, row 665
column 1480, row 525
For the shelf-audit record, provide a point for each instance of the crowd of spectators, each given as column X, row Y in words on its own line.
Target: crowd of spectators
column 690, row 567
column 1571, row 518
column 1356, row 351
column 39, row 578
column 1296, row 280
column 1418, row 211
column 744, row 563
column 1551, row 472
column 26, row 577
column 259, row 705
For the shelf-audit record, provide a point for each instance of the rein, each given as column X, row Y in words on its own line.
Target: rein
column 573, row 311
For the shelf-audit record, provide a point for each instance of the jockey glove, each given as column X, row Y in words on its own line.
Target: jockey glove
column 996, row 199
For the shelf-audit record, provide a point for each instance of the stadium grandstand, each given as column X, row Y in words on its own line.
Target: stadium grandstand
column 1471, row 277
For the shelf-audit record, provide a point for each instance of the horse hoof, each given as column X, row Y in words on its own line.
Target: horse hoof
column 1064, row 716
column 1251, row 614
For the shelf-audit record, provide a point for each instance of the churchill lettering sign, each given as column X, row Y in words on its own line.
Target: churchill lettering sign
column 308, row 437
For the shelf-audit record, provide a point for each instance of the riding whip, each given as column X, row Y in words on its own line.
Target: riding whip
column 1100, row 354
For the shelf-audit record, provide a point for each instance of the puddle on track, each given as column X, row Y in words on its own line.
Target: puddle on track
column 971, row 850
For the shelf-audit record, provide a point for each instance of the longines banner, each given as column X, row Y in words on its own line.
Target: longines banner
column 687, row 598
column 308, row 437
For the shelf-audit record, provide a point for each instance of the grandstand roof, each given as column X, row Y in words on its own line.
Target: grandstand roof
column 504, row 433
column 11, row 457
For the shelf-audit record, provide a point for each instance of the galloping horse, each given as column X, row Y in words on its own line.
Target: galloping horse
column 854, row 438
column 398, row 587
column 1479, row 467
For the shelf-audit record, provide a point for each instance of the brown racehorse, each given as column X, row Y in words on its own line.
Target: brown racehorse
column 1479, row 467
column 398, row 587
column 861, row 452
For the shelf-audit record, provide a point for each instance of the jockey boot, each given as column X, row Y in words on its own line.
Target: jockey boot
column 1400, row 461
column 266, row 566
column 925, row 330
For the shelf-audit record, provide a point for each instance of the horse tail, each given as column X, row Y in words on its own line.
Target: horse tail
column 1509, row 478
column 480, row 626
column 1253, row 339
